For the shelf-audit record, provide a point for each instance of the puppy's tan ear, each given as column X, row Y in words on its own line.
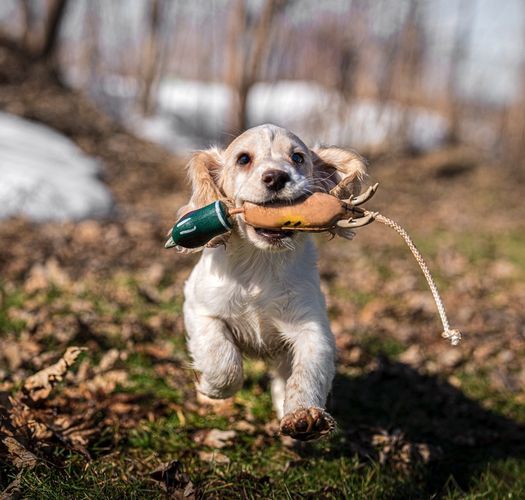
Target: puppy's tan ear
column 333, row 165
column 204, row 169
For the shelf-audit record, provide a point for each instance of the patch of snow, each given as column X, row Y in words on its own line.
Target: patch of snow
column 45, row 176
column 371, row 124
column 322, row 115
column 189, row 97
column 287, row 101
column 170, row 132
column 193, row 114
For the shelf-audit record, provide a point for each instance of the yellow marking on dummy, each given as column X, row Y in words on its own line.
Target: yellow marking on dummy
column 292, row 221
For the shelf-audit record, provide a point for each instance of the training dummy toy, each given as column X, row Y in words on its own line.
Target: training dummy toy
column 318, row 212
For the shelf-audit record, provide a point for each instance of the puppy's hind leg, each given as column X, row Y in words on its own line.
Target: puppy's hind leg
column 215, row 356
column 280, row 372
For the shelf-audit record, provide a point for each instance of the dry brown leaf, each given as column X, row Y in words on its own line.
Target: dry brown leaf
column 79, row 437
column 41, row 276
column 18, row 351
column 108, row 360
column 214, row 456
column 13, row 489
column 83, row 371
column 451, row 358
column 412, row 356
column 40, row 385
column 160, row 351
column 88, row 232
column 12, row 353
column 176, row 482
column 394, row 448
column 63, row 422
column 107, row 382
column 154, row 274
column 22, row 417
column 214, row 438
column 121, row 408
column 272, row 428
column 245, row 426
column 21, row 457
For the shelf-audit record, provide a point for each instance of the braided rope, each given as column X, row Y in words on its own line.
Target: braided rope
column 453, row 335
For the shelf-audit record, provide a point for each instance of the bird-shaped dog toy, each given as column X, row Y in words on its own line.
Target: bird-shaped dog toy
column 316, row 213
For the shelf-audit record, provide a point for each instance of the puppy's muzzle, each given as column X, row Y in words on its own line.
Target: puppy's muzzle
column 275, row 179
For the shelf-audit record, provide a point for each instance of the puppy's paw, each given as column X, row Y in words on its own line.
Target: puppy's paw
column 220, row 389
column 306, row 424
column 206, row 401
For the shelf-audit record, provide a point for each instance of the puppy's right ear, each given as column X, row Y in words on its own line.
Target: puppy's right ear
column 204, row 172
column 204, row 169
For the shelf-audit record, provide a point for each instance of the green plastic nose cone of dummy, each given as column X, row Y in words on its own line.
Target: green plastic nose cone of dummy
column 198, row 227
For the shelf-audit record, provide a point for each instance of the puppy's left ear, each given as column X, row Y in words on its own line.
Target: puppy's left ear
column 333, row 165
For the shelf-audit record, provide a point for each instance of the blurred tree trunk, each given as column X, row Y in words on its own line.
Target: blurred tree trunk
column 40, row 38
column 512, row 131
column 28, row 25
column 408, row 70
column 346, row 37
column 348, row 67
column 461, row 40
column 53, row 22
column 246, row 47
column 350, row 63
column 234, row 63
column 92, row 41
column 150, row 58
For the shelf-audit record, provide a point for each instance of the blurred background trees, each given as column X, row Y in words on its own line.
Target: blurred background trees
column 403, row 75
column 40, row 25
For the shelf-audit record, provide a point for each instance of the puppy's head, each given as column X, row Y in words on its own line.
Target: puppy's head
column 265, row 165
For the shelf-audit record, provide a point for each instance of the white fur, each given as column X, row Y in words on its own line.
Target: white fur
column 257, row 298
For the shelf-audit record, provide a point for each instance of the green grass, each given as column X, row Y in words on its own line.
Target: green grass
column 358, row 297
column 394, row 398
column 500, row 479
column 9, row 298
column 98, row 480
column 340, row 479
column 479, row 248
column 477, row 429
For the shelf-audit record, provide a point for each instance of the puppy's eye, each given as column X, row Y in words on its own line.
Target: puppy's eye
column 298, row 158
column 243, row 159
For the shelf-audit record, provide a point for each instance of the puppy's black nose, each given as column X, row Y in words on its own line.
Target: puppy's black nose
column 275, row 179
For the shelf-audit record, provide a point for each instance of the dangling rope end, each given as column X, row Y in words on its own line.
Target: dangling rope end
column 453, row 335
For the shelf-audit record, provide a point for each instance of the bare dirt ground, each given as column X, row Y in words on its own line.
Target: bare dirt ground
column 416, row 416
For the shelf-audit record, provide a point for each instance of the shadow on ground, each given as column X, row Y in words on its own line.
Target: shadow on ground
column 397, row 407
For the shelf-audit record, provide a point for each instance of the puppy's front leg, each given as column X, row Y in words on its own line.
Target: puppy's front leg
column 215, row 356
column 312, row 371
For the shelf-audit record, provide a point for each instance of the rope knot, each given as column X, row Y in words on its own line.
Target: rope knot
column 453, row 335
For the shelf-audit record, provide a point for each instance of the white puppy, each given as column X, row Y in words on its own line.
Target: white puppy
column 259, row 294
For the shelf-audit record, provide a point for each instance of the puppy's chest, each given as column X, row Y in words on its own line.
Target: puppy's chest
column 255, row 333
column 253, row 313
column 252, row 302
